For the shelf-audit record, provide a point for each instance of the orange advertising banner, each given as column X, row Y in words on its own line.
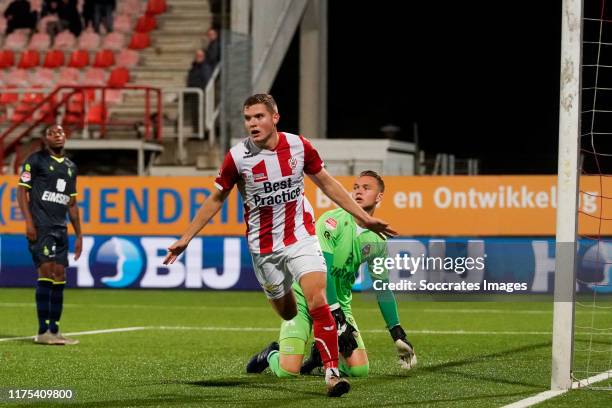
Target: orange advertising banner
column 416, row 205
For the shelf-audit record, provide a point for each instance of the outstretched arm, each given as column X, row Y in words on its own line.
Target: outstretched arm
column 211, row 206
column 334, row 190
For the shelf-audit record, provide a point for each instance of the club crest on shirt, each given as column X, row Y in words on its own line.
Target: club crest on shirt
column 331, row 224
column 60, row 185
column 26, row 176
column 365, row 251
column 292, row 163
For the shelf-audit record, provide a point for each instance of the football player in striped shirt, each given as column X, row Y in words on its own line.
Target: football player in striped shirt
column 268, row 169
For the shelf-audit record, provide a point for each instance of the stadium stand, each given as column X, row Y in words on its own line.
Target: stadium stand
column 152, row 45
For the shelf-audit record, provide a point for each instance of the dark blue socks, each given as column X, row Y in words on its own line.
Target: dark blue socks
column 56, row 302
column 43, row 296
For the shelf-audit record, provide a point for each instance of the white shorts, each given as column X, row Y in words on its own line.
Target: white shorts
column 277, row 271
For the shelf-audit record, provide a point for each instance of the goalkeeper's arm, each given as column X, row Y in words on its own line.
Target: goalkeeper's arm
column 388, row 307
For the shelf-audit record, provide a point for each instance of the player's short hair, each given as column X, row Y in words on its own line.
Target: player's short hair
column 379, row 180
column 52, row 128
column 264, row 99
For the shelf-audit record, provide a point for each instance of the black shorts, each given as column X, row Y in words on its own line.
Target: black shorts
column 51, row 245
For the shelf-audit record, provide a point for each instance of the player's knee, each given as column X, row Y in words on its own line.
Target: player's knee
column 288, row 370
column 359, row 371
column 282, row 373
column 316, row 299
column 59, row 273
column 45, row 270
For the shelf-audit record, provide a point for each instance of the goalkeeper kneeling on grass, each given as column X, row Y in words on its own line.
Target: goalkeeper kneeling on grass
column 345, row 246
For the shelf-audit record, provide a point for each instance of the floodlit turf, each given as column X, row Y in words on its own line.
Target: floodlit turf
column 193, row 348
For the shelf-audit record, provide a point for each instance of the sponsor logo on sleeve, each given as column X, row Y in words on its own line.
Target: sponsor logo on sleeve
column 331, row 224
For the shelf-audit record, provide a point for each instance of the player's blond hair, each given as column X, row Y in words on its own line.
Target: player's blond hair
column 373, row 174
column 264, row 99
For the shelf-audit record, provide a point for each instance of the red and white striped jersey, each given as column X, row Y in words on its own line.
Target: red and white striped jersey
column 271, row 183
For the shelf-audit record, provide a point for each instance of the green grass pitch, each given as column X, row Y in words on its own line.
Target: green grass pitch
column 189, row 349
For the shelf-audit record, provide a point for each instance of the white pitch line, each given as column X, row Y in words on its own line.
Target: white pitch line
column 216, row 328
column 265, row 307
column 425, row 331
column 606, row 375
column 136, row 306
column 84, row 333
column 536, row 399
column 507, row 311
column 487, row 311
column 274, row 329
column 546, row 395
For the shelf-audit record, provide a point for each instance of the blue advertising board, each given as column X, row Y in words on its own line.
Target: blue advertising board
column 224, row 263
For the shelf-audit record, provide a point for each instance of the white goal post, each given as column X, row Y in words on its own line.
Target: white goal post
column 567, row 187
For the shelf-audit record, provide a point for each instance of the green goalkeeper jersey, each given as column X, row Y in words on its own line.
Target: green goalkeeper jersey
column 346, row 246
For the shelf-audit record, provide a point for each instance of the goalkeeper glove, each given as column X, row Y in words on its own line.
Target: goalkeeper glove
column 405, row 351
column 346, row 337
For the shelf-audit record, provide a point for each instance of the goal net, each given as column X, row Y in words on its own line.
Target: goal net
column 592, row 357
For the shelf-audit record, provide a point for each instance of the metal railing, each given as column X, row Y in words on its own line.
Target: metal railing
column 208, row 107
column 9, row 140
column 208, row 112
column 212, row 106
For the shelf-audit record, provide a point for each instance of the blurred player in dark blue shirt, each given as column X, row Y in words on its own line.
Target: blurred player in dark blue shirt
column 47, row 191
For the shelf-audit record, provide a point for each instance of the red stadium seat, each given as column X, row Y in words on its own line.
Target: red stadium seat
column 45, row 112
column 32, row 98
column 79, row 59
column 113, row 41
column 76, row 106
column 68, row 76
column 90, row 94
column 146, row 23
column 123, row 23
column 130, row 7
column 17, row 40
column 96, row 114
column 72, row 119
column 7, row 58
column 19, row 78
column 64, row 40
column 127, row 58
column 104, row 59
column 118, row 77
column 94, row 77
column 54, row 59
column 140, row 41
column 8, row 98
column 156, row 7
column 43, row 77
column 29, row 59
column 20, row 116
column 40, row 42
column 21, row 113
column 89, row 40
